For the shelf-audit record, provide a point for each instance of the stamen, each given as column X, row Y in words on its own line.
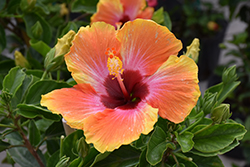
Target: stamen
column 114, row 65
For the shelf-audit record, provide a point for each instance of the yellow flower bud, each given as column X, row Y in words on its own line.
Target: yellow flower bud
column 193, row 49
column 63, row 44
column 20, row 60
column 64, row 10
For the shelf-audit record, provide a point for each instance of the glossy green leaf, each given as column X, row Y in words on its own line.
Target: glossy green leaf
column 143, row 161
column 40, row 47
column 207, row 161
column 34, row 134
column 69, row 144
column 3, row 37
column 56, row 129
column 157, row 145
column 167, row 21
column 158, row 16
column 90, row 158
column 3, row 145
column 12, row 6
column 220, row 152
column 84, row 6
column 6, row 65
column 70, row 26
column 76, row 162
column 23, row 157
column 52, row 161
column 13, row 81
column 100, row 157
column 43, row 124
column 141, row 143
column 30, row 20
column 41, row 88
column 52, row 146
column 32, row 111
column 22, row 90
column 123, row 157
column 185, row 141
column 217, row 137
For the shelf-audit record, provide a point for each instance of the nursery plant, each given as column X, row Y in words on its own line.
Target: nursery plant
column 130, row 100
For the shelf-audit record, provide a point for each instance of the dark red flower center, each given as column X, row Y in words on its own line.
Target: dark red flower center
column 136, row 89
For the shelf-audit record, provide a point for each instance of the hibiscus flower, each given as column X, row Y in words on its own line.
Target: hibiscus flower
column 117, row 12
column 125, row 79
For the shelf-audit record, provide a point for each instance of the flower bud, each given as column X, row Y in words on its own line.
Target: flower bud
column 220, row 113
column 63, row 44
column 20, row 60
column 37, row 30
column 193, row 49
column 82, row 147
column 64, row 10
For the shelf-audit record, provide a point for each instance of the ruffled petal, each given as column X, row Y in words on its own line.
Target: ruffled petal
column 132, row 7
column 74, row 104
column 109, row 11
column 112, row 128
column 146, row 45
column 87, row 60
column 174, row 88
column 147, row 13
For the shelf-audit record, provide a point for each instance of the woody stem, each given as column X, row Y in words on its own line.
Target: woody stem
column 122, row 86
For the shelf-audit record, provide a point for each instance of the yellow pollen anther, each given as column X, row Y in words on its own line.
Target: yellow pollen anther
column 114, row 64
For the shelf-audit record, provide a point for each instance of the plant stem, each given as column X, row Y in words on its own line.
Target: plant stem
column 7, row 126
column 58, row 75
column 28, row 145
column 44, row 75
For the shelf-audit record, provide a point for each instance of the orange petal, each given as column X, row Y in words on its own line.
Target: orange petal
column 146, row 45
column 110, row 129
column 87, row 60
column 133, row 7
column 109, row 11
column 174, row 88
column 74, row 104
column 146, row 13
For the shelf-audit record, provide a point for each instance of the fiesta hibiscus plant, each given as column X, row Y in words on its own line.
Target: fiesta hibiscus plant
column 121, row 88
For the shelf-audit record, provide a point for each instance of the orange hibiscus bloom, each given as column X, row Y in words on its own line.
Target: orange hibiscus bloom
column 117, row 12
column 125, row 78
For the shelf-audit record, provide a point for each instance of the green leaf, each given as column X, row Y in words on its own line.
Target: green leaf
column 167, row 21
column 70, row 26
column 43, row 124
column 23, row 157
column 32, row 111
column 157, row 145
column 100, row 157
column 63, row 162
column 76, row 162
column 185, row 141
column 217, row 137
column 123, row 157
column 2, row 35
column 13, row 81
column 56, row 129
column 3, row 145
column 90, row 158
column 30, row 20
column 84, row 6
column 141, row 143
column 52, row 146
column 69, row 144
column 143, row 161
column 34, row 134
column 52, row 161
column 207, row 161
column 40, row 47
column 41, row 88
column 158, row 16
column 6, row 65
column 21, row 92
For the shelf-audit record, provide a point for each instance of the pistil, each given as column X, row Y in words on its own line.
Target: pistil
column 114, row 65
